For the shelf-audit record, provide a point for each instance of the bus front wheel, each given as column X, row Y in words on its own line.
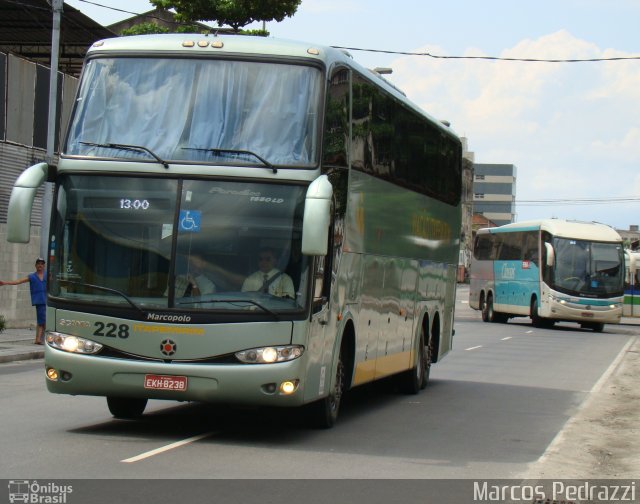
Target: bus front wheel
column 126, row 407
column 324, row 413
column 595, row 326
column 536, row 319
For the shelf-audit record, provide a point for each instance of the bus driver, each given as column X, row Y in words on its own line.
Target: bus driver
column 268, row 278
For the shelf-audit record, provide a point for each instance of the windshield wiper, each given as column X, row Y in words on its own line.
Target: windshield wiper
column 218, row 152
column 136, row 148
column 105, row 289
column 232, row 301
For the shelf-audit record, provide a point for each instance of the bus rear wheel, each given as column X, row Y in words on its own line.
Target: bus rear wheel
column 415, row 379
column 126, row 407
column 488, row 315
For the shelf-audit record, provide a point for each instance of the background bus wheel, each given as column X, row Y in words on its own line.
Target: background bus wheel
column 595, row 326
column 414, row 380
column 488, row 314
column 324, row 413
column 536, row 320
column 126, row 407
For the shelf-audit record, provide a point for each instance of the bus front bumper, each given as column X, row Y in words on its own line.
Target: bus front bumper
column 255, row 384
column 585, row 313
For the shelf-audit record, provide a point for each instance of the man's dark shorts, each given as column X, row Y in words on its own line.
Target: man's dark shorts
column 41, row 314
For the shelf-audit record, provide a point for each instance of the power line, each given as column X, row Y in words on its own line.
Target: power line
column 427, row 54
column 110, row 8
column 578, row 201
column 148, row 16
column 490, row 58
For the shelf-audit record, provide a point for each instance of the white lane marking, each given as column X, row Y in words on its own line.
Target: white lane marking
column 473, row 347
column 165, row 448
column 529, row 332
column 464, row 302
column 507, row 338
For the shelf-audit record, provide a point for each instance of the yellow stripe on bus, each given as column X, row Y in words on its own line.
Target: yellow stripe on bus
column 383, row 366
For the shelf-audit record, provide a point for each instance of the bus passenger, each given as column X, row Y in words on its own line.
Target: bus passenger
column 194, row 282
column 268, row 278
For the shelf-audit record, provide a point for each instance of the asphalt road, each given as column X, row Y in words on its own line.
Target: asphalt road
column 491, row 410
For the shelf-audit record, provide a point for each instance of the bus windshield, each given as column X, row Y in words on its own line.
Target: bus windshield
column 197, row 245
column 221, row 112
column 588, row 268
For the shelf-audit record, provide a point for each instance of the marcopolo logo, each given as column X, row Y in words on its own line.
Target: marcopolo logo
column 38, row 493
column 159, row 317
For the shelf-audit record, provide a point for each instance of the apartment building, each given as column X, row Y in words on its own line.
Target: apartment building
column 494, row 192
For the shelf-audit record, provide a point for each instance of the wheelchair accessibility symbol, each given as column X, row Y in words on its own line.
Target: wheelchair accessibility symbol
column 190, row 221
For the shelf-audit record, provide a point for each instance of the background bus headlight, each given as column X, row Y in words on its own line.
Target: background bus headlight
column 269, row 355
column 72, row 344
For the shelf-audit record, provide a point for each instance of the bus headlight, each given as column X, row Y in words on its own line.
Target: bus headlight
column 269, row 355
column 72, row 344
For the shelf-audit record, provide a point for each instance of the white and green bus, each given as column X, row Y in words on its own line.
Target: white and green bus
column 631, row 284
column 549, row 270
column 194, row 157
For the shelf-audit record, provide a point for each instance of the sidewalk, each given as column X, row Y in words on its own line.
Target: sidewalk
column 17, row 345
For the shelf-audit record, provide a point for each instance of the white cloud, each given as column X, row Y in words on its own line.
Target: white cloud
column 572, row 129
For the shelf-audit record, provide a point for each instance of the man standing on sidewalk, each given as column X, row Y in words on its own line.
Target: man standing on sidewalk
column 38, row 286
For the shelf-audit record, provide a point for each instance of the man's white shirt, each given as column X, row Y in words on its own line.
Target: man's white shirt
column 282, row 286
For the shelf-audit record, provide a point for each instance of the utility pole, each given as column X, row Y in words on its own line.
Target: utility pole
column 51, row 124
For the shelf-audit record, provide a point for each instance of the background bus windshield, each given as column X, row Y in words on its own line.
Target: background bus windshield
column 588, row 268
column 197, row 110
column 167, row 243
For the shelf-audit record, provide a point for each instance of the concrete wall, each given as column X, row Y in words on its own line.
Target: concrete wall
column 18, row 260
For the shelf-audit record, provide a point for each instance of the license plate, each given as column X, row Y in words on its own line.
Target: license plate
column 587, row 314
column 160, row 382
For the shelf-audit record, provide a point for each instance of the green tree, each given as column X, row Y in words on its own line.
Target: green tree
column 151, row 28
column 144, row 29
column 234, row 13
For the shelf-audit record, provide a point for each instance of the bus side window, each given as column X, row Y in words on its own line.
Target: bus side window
column 530, row 247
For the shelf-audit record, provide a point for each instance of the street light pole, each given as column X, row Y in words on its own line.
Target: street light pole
column 51, row 122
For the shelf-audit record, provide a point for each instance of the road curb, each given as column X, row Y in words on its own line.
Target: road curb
column 20, row 356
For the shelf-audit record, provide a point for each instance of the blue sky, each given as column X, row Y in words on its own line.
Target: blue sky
column 571, row 129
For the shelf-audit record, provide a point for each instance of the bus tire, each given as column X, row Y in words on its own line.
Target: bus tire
column 536, row 319
column 324, row 413
column 488, row 315
column 594, row 326
column 483, row 310
column 126, row 407
column 415, row 379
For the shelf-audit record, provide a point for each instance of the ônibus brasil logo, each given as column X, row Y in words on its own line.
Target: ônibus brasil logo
column 38, row 493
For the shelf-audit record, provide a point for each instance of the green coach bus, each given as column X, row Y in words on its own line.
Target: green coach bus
column 190, row 163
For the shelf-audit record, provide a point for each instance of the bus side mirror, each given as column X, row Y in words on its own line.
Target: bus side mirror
column 23, row 195
column 317, row 217
column 551, row 255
